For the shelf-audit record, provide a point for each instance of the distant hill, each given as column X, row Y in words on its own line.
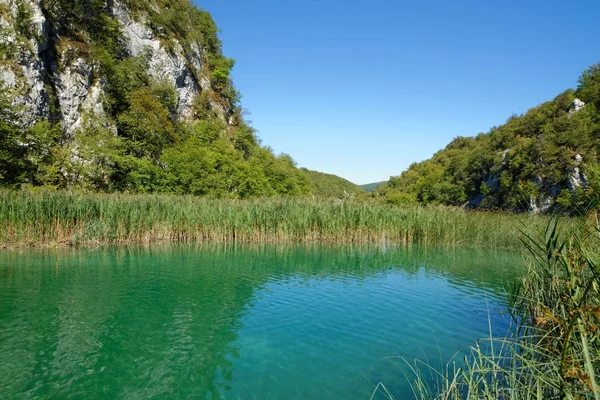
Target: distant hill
column 328, row 185
column 539, row 161
column 371, row 187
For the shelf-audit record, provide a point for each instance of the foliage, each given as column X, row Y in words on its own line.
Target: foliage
column 101, row 154
column 216, row 170
column 12, row 151
column 86, row 21
column 43, row 154
column 281, row 173
column 531, row 157
column 371, row 187
column 23, row 23
column 328, row 185
column 27, row 155
column 45, row 217
column 141, row 143
column 147, row 125
column 589, row 85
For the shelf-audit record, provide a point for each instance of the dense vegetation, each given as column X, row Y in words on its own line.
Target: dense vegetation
column 328, row 185
column 370, row 187
column 540, row 155
column 141, row 145
column 62, row 218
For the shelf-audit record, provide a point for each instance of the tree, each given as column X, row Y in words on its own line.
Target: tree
column 147, row 125
column 12, row 149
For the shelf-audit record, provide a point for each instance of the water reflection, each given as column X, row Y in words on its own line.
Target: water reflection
column 236, row 321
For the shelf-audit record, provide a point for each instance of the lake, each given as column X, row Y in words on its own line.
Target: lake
column 240, row 322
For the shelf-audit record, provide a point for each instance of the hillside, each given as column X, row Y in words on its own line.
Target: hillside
column 371, row 187
column 127, row 95
column 535, row 162
column 328, row 185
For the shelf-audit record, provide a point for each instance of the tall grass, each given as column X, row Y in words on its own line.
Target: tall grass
column 55, row 218
column 554, row 352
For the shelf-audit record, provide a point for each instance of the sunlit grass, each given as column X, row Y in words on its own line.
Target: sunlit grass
column 58, row 218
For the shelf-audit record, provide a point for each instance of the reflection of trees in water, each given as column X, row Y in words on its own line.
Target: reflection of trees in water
column 488, row 269
column 161, row 321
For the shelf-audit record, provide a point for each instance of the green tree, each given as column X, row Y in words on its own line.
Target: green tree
column 588, row 88
column 43, row 153
column 147, row 125
column 12, row 149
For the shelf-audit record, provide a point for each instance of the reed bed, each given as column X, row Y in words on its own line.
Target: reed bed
column 53, row 218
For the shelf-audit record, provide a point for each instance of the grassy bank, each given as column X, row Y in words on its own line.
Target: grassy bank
column 52, row 218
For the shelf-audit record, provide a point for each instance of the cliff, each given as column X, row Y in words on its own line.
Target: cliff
column 126, row 95
column 52, row 56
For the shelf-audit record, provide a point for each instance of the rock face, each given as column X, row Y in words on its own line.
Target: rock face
column 172, row 65
column 77, row 93
column 576, row 106
column 25, row 72
column 577, row 179
column 40, row 78
column 540, row 205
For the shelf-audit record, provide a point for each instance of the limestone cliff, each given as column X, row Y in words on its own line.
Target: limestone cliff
column 55, row 76
column 127, row 95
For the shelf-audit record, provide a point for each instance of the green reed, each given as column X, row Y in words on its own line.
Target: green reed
column 59, row 218
column 554, row 350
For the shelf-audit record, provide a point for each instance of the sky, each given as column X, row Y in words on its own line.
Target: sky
column 362, row 89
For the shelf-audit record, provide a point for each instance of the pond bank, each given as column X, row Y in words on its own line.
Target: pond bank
column 59, row 218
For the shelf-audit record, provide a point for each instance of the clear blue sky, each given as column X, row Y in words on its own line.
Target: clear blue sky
column 363, row 88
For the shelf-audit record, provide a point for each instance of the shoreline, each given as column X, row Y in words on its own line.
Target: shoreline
column 167, row 242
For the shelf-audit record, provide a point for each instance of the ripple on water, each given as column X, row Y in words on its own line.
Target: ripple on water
column 244, row 322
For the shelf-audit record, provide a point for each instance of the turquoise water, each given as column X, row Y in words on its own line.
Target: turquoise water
column 239, row 322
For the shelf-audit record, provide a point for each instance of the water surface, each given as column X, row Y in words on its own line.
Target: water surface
column 239, row 322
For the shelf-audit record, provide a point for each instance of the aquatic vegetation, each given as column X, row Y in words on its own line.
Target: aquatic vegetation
column 60, row 217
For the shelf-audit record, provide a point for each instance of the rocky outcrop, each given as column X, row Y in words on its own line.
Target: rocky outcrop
column 540, row 205
column 548, row 190
column 37, row 77
column 577, row 179
column 183, row 71
column 24, row 71
column 576, row 106
column 77, row 94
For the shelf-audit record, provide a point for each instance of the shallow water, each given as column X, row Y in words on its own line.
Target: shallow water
column 239, row 322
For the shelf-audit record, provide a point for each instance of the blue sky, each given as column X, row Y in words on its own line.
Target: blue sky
column 362, row 88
